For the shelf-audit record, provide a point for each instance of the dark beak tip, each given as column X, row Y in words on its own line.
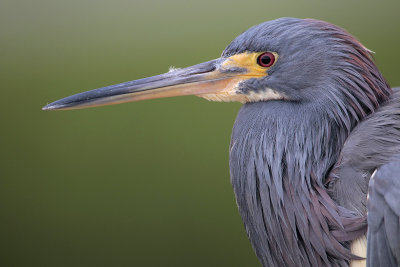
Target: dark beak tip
column 47, row 107
column 52, row 107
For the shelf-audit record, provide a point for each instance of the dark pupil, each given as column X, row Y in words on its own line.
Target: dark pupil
column 265, row 60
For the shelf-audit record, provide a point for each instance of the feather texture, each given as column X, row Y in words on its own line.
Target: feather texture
column 288, row 157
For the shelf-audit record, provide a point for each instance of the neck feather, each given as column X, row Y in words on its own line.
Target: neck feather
column 278, row 174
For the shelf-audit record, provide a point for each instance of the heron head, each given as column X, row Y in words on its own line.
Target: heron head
column 287, row 59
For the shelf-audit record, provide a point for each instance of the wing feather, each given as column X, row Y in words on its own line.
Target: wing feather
column 384, row 216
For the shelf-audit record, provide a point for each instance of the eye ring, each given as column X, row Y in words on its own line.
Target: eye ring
column 266, row 59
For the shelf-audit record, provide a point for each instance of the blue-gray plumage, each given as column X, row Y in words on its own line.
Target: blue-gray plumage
column 384, row 216
column 318, row 120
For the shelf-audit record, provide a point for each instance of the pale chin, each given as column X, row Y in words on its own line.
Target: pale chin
column 232, row 94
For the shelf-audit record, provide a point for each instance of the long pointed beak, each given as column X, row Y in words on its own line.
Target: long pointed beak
column 202, row 79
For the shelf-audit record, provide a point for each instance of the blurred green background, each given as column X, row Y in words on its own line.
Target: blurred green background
column 139, row 184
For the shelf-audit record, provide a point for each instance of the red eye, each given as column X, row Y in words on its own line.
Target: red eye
column 266, row 60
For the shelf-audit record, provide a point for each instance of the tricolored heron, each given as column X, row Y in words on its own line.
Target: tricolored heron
column 318, row 121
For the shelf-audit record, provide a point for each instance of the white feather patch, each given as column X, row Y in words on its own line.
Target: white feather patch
column 234, row 96
column 172, row 69
column 359, row 248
